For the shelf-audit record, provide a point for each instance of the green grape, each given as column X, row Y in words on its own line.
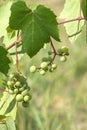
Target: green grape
column 33, row 69
column 49, row 58
column 51, row 69
column 11, row 76
column 19, row 97
column 11, row 91
column 43, row 65
column 64, row 49
column 25, row 104
column 15, row 90
column 54, row 66
column 10, row 83
column 63, row 58
column 42, row 72
column 50, row 52
column 25, row 92
column 60, row 51
column 17, row 84
column 26, row 98
column 21, row 89
column 44, row 59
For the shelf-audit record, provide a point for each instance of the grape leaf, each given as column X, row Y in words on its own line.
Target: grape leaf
column 72, row 12
column 4, row 61
column 84, row 8
column 8, row 124
column 11, row 33
column 37, row 26
column 8, row 105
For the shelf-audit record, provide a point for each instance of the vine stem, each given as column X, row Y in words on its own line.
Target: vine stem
column 71, row 20
column 54, row 51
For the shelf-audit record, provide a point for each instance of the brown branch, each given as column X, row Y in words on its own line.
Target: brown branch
column 12, row 45
column 71, row 20
column 15, row 42
column 54, row 52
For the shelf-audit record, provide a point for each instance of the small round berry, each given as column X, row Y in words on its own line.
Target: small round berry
column 25, row 92
column 54, row 66
column 63, row 58
column 51, row 69
column 10, row 83
column 21, row 89
column 49, row 58
column 26, row 98
column 11, row 76
column 59, row 51
column 33, row 69
column 44, row 59
column 50, row 52
column 15, row 90
column 25, row 104
column 64, row 49
column 17, row 84
column 42, row 72
column 11, row 91
column 19, row 97
column 43, row 65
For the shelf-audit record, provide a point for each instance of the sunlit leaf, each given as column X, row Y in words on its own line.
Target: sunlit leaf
column 71, row 11
column 4, row 61
column 37, row 26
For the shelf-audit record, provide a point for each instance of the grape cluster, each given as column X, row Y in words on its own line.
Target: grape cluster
column 44, row 67
column 63, row 52
column 48, row 64
column 17, row 85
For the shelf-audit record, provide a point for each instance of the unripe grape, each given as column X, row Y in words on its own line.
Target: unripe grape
column 43, row 65
column 26, row 98
column 42, row 72
column 50, row 52
column 44, row 59
column 11, row 76
column 21, row 89
column 49, row 58
column 25, row 104
column 63, row 58
column 51, row 69
column 54, row 66
column 10, row 83
column 60, row 51
column 19, row 97
column 11, row 91
column 25, row 92
column 15, row 90
column 64, row 49
column 17, row 84
column 33, row 69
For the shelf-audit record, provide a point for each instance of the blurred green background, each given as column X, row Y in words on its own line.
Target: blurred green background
column 59, row 99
